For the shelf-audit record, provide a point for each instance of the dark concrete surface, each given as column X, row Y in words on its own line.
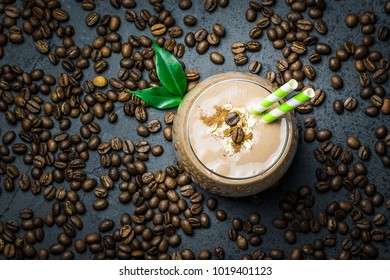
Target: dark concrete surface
column 304, row 166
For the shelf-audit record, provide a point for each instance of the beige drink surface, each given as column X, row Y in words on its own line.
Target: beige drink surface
column 268, row 139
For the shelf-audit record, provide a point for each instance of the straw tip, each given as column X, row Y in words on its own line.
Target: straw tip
column 310, row 92
column 255, row 110
column 293, row 83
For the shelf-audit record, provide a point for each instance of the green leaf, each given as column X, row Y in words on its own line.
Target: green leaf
column 158, row 97
column 169, row 71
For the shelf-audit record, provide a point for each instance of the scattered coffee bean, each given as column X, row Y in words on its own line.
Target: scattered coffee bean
column 290, row 236
column 336, row 81
column 240, row 59
column 221, row 215
column 353, row 142
column 190, row 20
column 217, row 58
column 254, row 67
column 351, row 20
column 350, row 103
column 338, row 106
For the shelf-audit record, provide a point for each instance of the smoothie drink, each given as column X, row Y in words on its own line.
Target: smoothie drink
column 226, row 149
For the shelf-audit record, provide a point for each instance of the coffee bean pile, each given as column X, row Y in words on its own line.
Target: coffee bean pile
column 40, row 155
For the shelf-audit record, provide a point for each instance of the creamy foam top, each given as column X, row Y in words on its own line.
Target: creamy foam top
column 268, row 140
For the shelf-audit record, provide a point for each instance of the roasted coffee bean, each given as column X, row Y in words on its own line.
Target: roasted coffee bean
column 380, row 148
column 211, row 203
column 223, row 3
column 359, row 65
column 169, row 117
column 380, row 76
column 142, row 146
column 304, row 24
column 60, row 14
column 379, row 219
column 232, row 119
column 157, row 150
column 323, row 134
column 141, row 114
column 237, row 48
column 154, row 126
column 263, row 23
column 241, row 242
column 240, row 59
column 361, row 52
column 219, row 253
column 341, row 54
column 238, row 135
column 371, row 111
column 250, row 15
column 364, row 80
column 255, row 67
column 255, row 33
column 221, row 215
column 282, row 65
column 310, row 134
column 187, row 190
column 201, row 35
column 279, row 223
column 338, row 106
column 92, row 18
column 100, row 204
column 367, row 29
column 190, row 20
column 42, row 46
column 175, row 32
column 350, row 103
column 253, row 46
column 334, row 63
column 210, row 5
column 167, row 133
column 8, row 137
column 280, row 44
column 217, row 58
column 237, row 224
column 290, row 236
column 278, row 254
column 139, row 23
column 337, row 81
column 353, row 142
column 218, row 29
column 202, row 47
column 189, row 39
column 351, row 20
column 369, row 64
column 314, row 58
column 381, row 132
column 310, row 122
column 309, row 72
column 322, row 48
column 321, row 26
column 376, row 101
column 364, row 153
column 204, row 255
column 143, row 130
column 383, row 33
column 386, row 106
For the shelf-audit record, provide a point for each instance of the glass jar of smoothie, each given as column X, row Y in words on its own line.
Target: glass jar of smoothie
column 222, row 146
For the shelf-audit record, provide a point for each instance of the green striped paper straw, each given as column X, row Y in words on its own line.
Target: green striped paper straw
column 288, row 106
column 274, row 97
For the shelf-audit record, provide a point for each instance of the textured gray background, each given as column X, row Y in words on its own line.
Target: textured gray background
column 303, row 169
